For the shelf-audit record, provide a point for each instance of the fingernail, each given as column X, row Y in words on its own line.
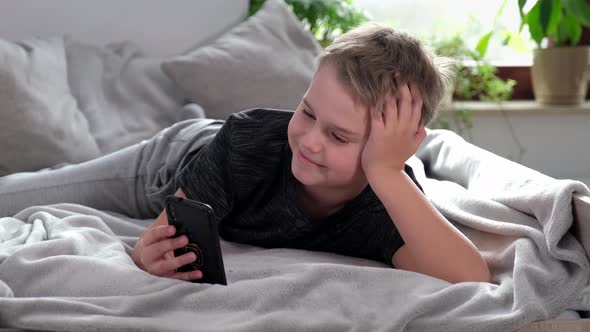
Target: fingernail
column 171, row 230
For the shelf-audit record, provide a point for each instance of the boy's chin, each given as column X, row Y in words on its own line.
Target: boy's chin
column 304, row 177
column 300, row 177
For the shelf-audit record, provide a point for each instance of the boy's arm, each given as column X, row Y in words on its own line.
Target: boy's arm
column 433, row 246
column 204, row 178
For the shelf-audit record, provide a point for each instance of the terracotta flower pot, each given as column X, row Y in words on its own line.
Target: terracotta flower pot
column 560, row 75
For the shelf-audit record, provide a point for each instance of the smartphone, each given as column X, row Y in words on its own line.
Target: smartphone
column 196, row 220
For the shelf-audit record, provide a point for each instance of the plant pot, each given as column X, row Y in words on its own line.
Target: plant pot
column 560, row 75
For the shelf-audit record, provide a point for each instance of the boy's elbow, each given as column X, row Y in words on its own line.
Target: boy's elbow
column 483, row 274
column 476, row 271
column 476, row 275
column 486, row 276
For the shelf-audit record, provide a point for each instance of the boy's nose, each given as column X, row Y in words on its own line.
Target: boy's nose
column 311, row 142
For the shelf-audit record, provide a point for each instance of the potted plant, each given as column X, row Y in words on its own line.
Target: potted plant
column 475, row 79
column 325, row 19
column 561, row 68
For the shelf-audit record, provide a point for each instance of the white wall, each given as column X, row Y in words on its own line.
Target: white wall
column 160, row 27
column 555, row 142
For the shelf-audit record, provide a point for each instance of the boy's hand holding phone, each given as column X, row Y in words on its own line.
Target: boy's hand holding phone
column 186, row 249
column 154, row 253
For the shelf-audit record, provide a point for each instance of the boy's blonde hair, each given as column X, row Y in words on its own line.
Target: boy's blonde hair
column 368, row 57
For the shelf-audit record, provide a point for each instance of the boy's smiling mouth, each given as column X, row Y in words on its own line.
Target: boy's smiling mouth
column 306, row 160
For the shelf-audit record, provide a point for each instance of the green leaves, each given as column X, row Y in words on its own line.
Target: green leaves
column 326, row 19
column 521, row 4
column 480, row 82
column 533, row 20
column 514, row 40
column 476, row 78
column 484, row 41
column 543, row 19
column 581, row 9
column 482, row 45
column 569, row 29
column 255, row 6
column 559, row 20
column 549, row 15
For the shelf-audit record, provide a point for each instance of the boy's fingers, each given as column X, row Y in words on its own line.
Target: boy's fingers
column 398, row 110
column 187, row 276
column 160, row 249
column 376, row 117
column 404, row 100
column 169, row 266
column 390, row 110
column 180, row 261
column 416, row 105
column 157, row 233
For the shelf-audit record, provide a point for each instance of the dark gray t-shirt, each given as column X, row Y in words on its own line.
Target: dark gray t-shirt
column 244, row 173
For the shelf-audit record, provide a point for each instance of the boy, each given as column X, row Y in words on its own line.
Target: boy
column 331, row 176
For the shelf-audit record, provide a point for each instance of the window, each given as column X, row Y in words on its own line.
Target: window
column 429, row 19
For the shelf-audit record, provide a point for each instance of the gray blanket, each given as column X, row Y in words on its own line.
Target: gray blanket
column 67, row 267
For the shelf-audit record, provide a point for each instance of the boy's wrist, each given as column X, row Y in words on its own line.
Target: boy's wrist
column 386, row 183
column 377, row 176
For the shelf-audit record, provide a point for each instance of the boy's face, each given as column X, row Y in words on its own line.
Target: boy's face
column 327, row 134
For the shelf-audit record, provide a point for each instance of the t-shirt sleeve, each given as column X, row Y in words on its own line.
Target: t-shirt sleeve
column 389, row 240
column 207, row 177
column 410, row 172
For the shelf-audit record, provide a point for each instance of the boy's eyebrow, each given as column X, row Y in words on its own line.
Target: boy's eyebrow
column 342, row 130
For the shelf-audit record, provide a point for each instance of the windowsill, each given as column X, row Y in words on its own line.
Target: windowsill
column 517, row 106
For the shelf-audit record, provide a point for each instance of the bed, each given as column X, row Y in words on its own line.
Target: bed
column 122, row 72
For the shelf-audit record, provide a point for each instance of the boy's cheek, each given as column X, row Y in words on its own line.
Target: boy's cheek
column 347, row 165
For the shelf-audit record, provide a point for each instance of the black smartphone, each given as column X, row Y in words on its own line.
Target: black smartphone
column 196, row 220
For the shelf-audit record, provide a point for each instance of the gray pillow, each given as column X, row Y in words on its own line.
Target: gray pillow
column 123, row 93
column 40, row 123
column 266, row 61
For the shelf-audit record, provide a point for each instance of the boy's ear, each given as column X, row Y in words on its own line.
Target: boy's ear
column 421, row 132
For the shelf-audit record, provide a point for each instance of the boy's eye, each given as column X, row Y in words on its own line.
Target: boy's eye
column 309, row 115
column 338, row 138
